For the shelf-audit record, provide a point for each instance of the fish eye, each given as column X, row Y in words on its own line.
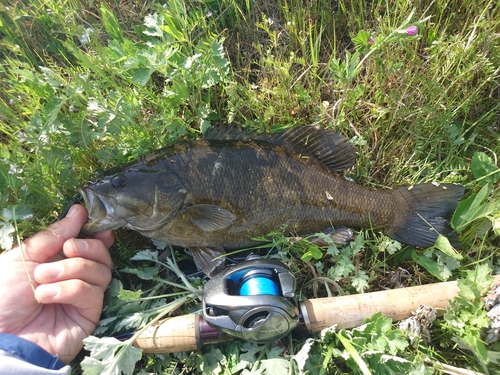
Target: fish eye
column 119, row 181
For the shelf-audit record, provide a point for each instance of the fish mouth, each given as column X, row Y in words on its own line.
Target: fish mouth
column 100, row 212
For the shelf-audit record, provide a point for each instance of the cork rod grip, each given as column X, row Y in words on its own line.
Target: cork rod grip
column 397, row 304
column 176, row 334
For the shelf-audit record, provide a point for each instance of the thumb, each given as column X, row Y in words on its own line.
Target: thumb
column 46, row 244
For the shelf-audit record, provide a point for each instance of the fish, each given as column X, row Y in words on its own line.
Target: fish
column 223, row 191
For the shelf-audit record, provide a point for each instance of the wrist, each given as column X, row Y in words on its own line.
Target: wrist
column 29, row 352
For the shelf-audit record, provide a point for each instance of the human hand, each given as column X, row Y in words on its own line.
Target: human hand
column 69, row 286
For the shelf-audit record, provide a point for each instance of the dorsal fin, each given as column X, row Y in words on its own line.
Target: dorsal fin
column 331, row 149
column 231, row 133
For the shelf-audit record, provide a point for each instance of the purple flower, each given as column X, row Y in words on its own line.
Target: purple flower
column 412, row 30
column 371, row 41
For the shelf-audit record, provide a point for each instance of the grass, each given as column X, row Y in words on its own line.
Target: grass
column 88, row 85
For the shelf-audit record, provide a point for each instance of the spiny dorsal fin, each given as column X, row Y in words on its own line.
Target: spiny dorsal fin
column 230, row 133
column 331, row 149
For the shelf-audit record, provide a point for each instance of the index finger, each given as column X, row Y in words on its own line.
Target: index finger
column 90, row 248
column 46, row 244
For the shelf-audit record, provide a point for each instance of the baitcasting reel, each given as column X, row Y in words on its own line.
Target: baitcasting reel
column 253, row 300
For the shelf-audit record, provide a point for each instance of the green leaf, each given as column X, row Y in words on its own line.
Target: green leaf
column 17, row 213
column 141, row 76
column 473, row 208
column 146, row 255
column 301, row 357
column 129, row 294
column 362, row 41
column 345, row 266
column 111, row 24
column 251, row 350
column 358, row 244
column 153, row 23
column 160, row 245
column 109, row 356
column 147, row 273
column 52, row 78
column 6, row 228
column 484, row 168
column 428, row 263
column 275, row 366
column 455, row 133
column 360, row 281
column 354, row 354
column 212, row 362
column 391, row 246
column 443, row 244
column 479, row 348
column 312, row 252
column 172, row 29
column 332, row 250
column 446, row 265
column 480, row 277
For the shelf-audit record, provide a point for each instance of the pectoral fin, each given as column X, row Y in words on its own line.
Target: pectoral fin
column 209, row 217
column 210, row 259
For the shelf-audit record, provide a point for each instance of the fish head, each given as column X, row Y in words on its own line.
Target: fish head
column 139, row 198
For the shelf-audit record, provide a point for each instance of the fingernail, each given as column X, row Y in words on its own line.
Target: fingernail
column 72, row 211
column 47, row 291
column 80, row 246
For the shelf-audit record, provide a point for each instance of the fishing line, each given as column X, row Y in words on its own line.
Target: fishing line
column 257, row 283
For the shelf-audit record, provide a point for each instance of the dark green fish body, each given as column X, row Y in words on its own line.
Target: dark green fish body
column 266, row 188
column 223, row 191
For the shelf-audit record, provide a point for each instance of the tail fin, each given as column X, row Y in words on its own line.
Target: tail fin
column 426, row 213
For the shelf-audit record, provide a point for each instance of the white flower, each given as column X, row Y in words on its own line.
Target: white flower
column 14, row 169
column 85, row 37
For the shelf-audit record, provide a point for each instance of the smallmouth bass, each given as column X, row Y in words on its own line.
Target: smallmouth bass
column 221, row 191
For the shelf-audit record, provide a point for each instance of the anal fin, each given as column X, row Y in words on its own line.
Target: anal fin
column 339, row 236
column 211, row 260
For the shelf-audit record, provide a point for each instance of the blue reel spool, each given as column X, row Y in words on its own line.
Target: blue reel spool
column 253, row 300
column 257, row 283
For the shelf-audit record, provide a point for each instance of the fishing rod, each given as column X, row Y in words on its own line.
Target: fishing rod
column 255, row 301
